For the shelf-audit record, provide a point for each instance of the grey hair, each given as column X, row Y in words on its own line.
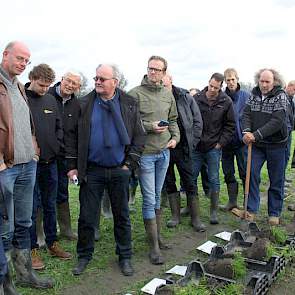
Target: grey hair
column 291, row 83
column 73, row 73
column 116, row 72
column 278, row 78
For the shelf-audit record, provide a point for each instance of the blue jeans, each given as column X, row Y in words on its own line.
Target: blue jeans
column 153, row 168
column 116, row 182
column 16, row 197
column 3, row 261
column 275, row 158
column 63, row 181
column 228, row 163
column 45, row 191
column 212, row 158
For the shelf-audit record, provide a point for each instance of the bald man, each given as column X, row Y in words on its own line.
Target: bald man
column 264, row 125
column 18, row 160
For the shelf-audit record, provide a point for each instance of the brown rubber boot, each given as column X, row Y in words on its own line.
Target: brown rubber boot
column 233, row 190
column 185, row 211
column 214, row 196
column 152, row 234
column 64, row 221
column 162, row 244
column 194, row 208
column 174, row 201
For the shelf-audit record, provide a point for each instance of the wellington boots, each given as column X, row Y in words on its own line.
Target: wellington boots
column 232, row 189
column 25, row 275
column 194, row 208
column 39, row 229
column 214, row 196
column 164, row 199
column 174, row 201
column 106, row 206
column 8, row 285
column 64, row 221
column 162, row 244
column 152, row 234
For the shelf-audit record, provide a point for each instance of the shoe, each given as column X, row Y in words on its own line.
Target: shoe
column 126, row 267
column 57, row 251
column 80, row 267
column 37, row 262
column 273, row 220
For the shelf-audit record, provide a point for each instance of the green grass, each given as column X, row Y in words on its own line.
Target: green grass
column 105, row 248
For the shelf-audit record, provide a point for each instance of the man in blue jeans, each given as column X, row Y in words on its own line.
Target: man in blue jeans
column 18, row 162
column 218, row 129
column 265, row 126
column 156, row 103
column 110, row 143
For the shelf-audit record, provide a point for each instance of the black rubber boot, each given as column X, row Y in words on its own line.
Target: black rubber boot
column 174, row 201
column 25, row 275
column 162, row 244
column 152, row 234
column 214, row 196
column 233, row 190
column 194, row 208
column 64, row 221
column 8, row 285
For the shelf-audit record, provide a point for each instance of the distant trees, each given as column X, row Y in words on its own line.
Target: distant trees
column 246, row 86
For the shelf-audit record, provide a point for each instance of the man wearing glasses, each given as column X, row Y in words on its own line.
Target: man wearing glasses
column 110, row 142
column 159, row 115
column 65, row 93
column 18, row 161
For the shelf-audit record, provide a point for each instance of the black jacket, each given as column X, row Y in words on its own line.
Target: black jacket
column 70, row 112
column 133, row 124
column 267, row 119
column 47, row 123
column 218, row 121
column 189, row 120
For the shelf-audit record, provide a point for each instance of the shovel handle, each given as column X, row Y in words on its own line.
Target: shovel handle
column 247, row 183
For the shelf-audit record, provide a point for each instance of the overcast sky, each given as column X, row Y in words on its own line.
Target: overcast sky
column 197, row 38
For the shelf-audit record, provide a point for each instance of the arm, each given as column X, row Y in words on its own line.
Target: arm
column 197, row 122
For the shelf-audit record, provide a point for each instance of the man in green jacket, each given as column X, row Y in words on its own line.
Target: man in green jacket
column 159, row 116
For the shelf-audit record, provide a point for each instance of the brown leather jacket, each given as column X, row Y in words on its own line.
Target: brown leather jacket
column 6, row 126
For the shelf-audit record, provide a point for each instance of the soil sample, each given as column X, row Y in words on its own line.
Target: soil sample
column 220, row 267
column 258, row 250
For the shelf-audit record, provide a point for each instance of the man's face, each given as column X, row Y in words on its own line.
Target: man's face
column 155, row 71
column 213, row 88
column 16, row 59
column 167, row 82
column 105, row 83
column 290, row 89
column 40, row 86
column 69, row 85
column 231, row 82
column 266, row 82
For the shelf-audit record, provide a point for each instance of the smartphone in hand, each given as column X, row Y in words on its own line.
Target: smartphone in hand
column 163, row 123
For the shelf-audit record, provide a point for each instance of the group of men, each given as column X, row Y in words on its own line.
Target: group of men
column 48, row 136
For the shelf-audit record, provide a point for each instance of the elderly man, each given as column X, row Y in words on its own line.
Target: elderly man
column 235, row 148
column 65, row 94
column 218, row 129
column 111, row 140
column 265, row 126
column 159, row 115
column 18, row 162
column 190, row 124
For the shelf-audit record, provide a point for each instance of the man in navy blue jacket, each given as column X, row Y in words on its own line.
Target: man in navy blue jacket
column 235, row 148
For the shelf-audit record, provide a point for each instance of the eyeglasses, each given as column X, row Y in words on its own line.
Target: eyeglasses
column 154, row 70
column 69, row 81
column 101, row 79
column 21, row 59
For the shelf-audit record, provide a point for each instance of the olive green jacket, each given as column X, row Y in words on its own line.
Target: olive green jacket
column 156, row 103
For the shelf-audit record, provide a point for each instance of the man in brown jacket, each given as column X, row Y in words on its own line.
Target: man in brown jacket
column 18, row 160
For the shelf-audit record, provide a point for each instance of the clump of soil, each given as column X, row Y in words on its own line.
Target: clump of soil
column 258, row 250
column 220, row 267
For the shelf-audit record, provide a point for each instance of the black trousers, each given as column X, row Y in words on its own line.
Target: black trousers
column 185, row 169
column 116, row 182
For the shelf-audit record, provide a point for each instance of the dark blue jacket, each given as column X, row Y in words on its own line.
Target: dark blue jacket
column 239, row 99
